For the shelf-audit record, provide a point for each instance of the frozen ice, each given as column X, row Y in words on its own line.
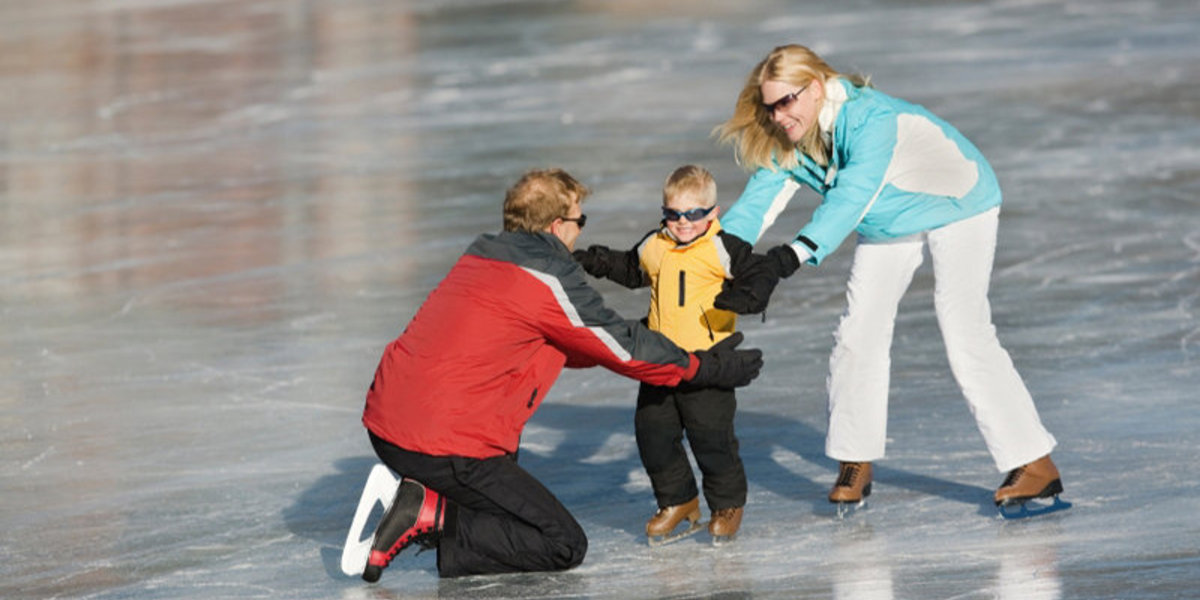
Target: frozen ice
column 214, row 214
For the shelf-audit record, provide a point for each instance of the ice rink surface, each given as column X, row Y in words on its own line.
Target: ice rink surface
column 215, row 214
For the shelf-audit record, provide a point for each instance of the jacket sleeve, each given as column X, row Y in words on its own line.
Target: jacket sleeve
column 860, row 181
column 745, row 265
column 766, row 194
column 748, row 270
column 575, row 320
column 625, row 266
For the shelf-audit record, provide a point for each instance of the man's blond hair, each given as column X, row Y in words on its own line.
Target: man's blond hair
column 693, row 181
column 539, row 197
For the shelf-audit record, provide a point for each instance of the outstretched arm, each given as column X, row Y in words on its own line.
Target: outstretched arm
column 621, row 266
column 752, row 278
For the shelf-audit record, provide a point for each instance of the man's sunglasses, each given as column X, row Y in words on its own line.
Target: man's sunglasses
column 695, row 214
column 581, row 220
column 784, row 102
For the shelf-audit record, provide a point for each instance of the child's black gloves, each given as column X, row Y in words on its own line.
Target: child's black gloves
column 724, row 366
column 596, row 260
column 783, row 260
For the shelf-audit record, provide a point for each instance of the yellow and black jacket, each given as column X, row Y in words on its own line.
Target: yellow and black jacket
column 683, row 279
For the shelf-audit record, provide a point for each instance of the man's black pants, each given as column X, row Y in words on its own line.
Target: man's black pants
column 499, row 518
column 663, row 414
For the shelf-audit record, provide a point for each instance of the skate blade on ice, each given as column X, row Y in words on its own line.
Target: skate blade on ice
column 1032, row 507
column 675, row 536
column 380, row 489
column 721, row 540
column 845, row 509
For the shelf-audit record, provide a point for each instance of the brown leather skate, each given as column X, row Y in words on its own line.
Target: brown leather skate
column 853, row 483
column 1038, row 479
column 724, row 525
column 660, row 529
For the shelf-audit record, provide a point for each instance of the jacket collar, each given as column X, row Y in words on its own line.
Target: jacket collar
column 835, row 97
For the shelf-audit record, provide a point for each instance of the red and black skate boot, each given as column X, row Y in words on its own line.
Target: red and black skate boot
column 416, row 516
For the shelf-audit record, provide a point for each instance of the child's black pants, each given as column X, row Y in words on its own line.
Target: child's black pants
column 706, row 414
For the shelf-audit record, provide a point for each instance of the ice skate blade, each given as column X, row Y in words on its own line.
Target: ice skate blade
column 845, row 509
column 723, row 540
column 662, row 540
column 380, row 489
column 1024, row 509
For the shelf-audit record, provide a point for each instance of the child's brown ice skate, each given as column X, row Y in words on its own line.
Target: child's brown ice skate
column 660, row 529
column 724, row 525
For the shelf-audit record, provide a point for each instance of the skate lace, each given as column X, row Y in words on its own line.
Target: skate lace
column 427, row 538
column 1013, row 476
column 848, row 475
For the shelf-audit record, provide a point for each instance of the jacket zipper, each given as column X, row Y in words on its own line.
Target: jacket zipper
column 682, row 281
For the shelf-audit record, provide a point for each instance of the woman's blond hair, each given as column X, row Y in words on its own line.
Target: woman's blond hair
column 539, row 197
column 758, row 142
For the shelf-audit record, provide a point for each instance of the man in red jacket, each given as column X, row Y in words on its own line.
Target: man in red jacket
column 452, row 394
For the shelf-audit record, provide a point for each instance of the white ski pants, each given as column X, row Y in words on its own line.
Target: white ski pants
column 859, row 366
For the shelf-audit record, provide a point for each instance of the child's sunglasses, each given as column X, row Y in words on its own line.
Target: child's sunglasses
column 693, row 215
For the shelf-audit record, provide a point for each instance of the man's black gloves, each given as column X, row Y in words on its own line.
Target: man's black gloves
column 724, row 366
column 783, row 260
column 596, row 260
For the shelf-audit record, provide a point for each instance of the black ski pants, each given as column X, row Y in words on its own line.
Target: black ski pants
column 706, row 414
column 499, row 518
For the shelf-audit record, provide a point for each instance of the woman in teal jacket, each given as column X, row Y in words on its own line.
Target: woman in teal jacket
column 902, row 179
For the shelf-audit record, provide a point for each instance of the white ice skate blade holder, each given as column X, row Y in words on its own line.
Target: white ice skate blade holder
column 380, row 489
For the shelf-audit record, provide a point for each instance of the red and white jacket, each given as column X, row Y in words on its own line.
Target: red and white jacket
column 482, row 352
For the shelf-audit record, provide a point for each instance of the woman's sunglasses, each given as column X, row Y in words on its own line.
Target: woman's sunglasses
column 784, row 102
column 693, row 215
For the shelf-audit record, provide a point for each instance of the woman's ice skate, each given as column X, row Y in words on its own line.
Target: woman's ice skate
column 1025, row 491
column 661, row 528
column 853, row 486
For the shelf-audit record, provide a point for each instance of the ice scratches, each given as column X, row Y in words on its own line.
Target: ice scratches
column 618, row 447
column 541, row 440
column 37, row 459
column 637, row 481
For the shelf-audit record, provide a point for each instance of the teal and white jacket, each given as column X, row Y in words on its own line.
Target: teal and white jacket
column 895, row 169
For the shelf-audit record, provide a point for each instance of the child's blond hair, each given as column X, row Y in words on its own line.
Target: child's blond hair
column 694, row 181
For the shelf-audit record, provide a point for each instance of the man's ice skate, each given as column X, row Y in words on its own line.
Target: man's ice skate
column 853, row 486
column 1031, row 490
column 416, row 516
column 724, row 525
column 661, row 528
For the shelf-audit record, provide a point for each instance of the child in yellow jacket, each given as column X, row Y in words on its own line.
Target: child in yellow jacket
column 690, row 264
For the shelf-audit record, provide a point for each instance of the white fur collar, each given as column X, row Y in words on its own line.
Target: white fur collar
column 835, row 96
